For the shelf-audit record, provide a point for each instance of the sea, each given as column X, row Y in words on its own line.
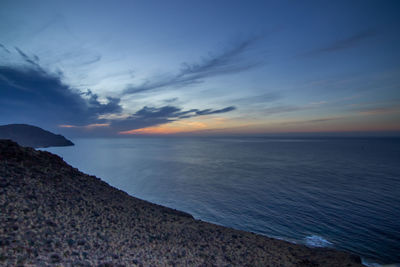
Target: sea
column 342, row 193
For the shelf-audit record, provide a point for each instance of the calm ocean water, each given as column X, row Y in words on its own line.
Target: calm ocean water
column 340, row 193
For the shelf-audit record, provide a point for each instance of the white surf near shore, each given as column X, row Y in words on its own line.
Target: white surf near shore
column 316, row 241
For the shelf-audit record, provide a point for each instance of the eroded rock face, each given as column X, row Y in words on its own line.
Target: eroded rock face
column 52, row 214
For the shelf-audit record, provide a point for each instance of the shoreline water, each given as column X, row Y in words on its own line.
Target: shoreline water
column 259, row 185
column 55, row 214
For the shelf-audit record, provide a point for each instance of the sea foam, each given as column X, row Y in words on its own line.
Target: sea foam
column 316, row 241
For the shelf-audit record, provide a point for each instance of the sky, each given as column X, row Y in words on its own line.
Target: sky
column 128, row 68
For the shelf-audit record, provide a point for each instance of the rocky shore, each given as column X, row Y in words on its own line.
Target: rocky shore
column 51, row 214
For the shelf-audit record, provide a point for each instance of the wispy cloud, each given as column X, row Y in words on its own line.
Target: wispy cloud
column 319, row 120
column 345, row 43
column 282, row 109
column 5, row 48
column 230, row 61
column 178, row 127
column 151, row 116
column 31, row 60
column 171, row 100
column 380, row 110
column 89, row 126
column 292, row 108
column 94, row 59
column 258, row 99
column 210, row 111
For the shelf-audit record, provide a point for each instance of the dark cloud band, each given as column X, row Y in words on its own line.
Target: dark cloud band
column 31, row 95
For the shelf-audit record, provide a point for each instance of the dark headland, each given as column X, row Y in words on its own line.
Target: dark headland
column 53, row 214
column 32, row 136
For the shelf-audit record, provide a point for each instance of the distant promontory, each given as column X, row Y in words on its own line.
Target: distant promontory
column 32, row 136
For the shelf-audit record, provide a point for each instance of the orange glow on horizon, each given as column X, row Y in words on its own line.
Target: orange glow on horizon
column 171, row 128
column 209, row 125
column 67, row 126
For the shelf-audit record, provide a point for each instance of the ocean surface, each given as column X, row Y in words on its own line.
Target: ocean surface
column 342, row 193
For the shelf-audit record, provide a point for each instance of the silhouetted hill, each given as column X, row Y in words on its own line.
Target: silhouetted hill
column 32, row 136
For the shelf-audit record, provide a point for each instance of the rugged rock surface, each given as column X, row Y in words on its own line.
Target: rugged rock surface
column 53, row 214
column 32, row 136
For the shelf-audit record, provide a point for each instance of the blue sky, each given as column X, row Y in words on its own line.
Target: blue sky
column 101, row 68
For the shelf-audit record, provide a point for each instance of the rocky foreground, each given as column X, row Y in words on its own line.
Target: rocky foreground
column 53, row 214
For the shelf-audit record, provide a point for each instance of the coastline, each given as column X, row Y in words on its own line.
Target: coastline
column 57, row 215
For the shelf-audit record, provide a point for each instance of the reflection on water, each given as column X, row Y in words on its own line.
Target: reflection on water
column 344, row 193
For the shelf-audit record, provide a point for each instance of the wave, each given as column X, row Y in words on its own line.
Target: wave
column 369, row 264
column 374, row 264
column 316, row 241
